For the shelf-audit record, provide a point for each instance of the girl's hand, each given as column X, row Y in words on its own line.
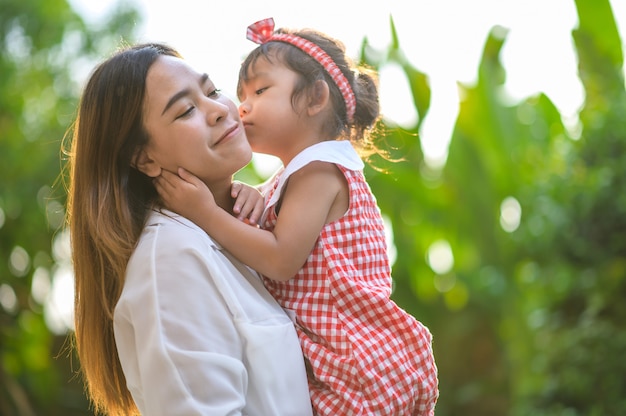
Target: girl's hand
column 184, row 194
column 248, row 205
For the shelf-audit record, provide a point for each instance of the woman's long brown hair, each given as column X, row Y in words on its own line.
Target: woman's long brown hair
column 108, row 202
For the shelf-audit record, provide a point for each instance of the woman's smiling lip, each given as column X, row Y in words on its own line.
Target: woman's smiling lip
column 231, row 132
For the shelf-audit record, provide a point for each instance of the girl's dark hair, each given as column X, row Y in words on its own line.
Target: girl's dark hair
column 363, row 81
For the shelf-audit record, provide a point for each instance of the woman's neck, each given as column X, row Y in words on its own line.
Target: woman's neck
column 221, row 193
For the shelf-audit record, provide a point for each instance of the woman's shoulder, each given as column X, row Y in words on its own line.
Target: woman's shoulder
column 170, row 239
column 167, row 227
column 172, row 250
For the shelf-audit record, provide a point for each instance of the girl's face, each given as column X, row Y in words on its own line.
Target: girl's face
column 272, row 124
column 190, row 125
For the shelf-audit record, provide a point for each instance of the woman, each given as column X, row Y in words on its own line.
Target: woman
column 167, row 323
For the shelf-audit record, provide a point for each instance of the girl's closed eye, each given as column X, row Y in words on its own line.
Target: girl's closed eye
column 261, row 90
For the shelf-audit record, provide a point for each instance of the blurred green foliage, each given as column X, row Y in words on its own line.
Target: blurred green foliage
column 528, row 320
column 44, row 48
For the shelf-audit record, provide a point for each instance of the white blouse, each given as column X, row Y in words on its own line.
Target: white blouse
column 198, row 334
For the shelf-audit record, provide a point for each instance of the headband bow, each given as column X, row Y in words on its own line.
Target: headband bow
column 262, row 32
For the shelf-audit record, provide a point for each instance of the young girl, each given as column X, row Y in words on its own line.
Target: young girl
column 322, row 245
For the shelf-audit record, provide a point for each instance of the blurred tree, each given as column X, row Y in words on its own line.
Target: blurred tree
column 574, row 279
column 45, row 48
column 512, row 253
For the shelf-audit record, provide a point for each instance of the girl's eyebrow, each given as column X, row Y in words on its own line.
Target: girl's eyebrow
column 184, row 92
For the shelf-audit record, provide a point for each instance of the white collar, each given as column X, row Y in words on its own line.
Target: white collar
column 339, row 152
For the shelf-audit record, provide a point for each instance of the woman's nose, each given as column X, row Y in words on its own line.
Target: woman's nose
column 215, row 111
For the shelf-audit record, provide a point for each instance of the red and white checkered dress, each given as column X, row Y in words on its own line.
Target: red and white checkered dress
column 365, row 355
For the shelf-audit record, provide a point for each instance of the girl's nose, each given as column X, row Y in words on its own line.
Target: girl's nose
column 244, row 108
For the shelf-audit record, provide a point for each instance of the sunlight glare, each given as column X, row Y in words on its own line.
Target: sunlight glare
column 510, row 214
column 396, row 101
column 8, row 299
column 40, row 286
column 19, row 261
column 440, row 257
column 59, row 306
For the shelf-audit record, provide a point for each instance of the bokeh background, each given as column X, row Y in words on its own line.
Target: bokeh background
column 506, row 215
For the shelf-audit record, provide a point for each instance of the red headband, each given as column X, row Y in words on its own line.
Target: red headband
column 262, row 32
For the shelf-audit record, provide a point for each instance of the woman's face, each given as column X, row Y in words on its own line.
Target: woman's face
column 190, row 125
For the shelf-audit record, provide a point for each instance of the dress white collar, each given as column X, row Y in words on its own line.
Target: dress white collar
column 338, row 152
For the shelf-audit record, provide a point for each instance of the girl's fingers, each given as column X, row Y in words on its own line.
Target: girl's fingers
column 235, row 189
column 250, row 211
column 189, row 177
column 165, row 179
column 255, row 216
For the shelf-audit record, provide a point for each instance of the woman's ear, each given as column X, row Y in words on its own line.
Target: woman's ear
column 319, row 98
column 144, row 163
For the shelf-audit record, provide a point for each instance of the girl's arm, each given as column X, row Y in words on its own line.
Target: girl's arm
column 315, row 195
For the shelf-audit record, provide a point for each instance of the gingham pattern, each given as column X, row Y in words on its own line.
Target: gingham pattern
column 365, row 355
column 263, row 31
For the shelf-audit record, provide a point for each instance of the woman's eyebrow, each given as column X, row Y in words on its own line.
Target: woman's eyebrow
column 182, row 93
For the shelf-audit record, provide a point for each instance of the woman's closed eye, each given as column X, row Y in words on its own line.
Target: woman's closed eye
column 186, row 113
column 213, row 93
